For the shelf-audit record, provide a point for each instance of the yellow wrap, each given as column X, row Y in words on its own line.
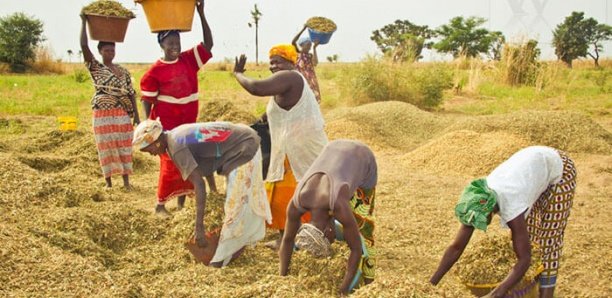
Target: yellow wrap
column 286, row 51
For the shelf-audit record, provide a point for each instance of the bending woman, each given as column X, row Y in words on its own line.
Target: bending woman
column 532, row 192
column 232, row 150
column 338, row 187
column 113, row 105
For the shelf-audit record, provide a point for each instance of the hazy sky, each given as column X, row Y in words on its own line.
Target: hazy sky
column 282, row 19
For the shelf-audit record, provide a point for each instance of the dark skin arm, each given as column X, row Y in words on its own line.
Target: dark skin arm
column 200, row 190
column 295, row 39
column 147, row 107
column 277, row 85
column 315, row 58
column 522, row 249
column 452, row 253
column 344, row 215
column 136, row 115
column 87, row 55
column 207, row 39
column 286, row 249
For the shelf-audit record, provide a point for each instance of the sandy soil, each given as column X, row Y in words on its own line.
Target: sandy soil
column 64, row 234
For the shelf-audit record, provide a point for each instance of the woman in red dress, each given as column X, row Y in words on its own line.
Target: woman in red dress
column 170, row 92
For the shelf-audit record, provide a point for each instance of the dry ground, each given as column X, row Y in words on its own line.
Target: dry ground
column 63, row 234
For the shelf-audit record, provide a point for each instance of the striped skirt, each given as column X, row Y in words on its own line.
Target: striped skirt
column 113, row 132
column 547, row 220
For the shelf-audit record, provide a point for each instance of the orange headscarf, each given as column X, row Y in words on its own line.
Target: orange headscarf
column 286, row 51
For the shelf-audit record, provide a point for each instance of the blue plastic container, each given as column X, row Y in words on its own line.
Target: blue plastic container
column 322, row 37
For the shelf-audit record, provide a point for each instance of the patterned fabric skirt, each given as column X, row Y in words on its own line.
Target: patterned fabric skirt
column 246, row 210
column 362, row 204
column 170, row 183
column 548, row 218
column 113, row 132
column 279, row 196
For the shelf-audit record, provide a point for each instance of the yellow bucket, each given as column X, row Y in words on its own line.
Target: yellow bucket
column 67, row 123
column 169, row 14
column 528, row 287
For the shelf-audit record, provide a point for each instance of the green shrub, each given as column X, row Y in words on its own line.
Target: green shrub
column 80, row 76
column 375, row 80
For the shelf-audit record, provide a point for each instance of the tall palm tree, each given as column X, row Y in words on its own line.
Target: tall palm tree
column 256, row 14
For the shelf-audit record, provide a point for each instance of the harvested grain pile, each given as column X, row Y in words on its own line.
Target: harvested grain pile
column 31, row 266
column 219, row 110
column 567, row 131
column 465, row 152
column 384, row 124
column 321, row 24
column 475, row 265
column 107, row 8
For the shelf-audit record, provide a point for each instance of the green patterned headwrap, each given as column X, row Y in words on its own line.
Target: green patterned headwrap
column 476, row 203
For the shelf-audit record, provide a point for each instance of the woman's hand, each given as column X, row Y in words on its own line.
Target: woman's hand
column 239, row 64
column 200, row 240
column 136, row 119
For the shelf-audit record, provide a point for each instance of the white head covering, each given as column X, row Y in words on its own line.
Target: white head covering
column 147, row 132
column 303, row 39
column 313, row 240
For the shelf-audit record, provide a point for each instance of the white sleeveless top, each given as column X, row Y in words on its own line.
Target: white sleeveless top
column 521, row 179
column 296, row 133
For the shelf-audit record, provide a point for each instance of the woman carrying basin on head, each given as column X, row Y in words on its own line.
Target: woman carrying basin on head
column 170, row 92
column 113, row 105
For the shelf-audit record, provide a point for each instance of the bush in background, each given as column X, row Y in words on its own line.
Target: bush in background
column 80, row 75
column 381, row 80
column 519, row 63
column 44, row 63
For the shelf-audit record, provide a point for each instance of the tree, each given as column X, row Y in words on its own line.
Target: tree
column 570, row 38
column 463, row 37
column 333, row 58
column 70, row 55
column 403, row 40
column 497, row 44
column 256, row 14
column 599, row 34
column 19, row 37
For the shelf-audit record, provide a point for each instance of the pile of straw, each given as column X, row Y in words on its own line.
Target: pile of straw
column 384, row 124
column 464, row 152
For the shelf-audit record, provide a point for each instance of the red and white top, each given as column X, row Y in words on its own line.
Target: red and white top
column 172, row 87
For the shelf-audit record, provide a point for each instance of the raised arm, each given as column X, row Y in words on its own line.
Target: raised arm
column 522, row 249
column 315, row 58
column 286, row 249
column 295, row 39
column 352, row 237
column 206, row 33
column 87, row 55
column 276, row 84
column 200, row 190
column 452, row 253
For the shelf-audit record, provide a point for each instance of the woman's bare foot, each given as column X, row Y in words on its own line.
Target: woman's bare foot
column 180, row 203
column 160, row 210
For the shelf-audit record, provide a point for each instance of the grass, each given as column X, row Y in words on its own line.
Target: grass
column 582, row 88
